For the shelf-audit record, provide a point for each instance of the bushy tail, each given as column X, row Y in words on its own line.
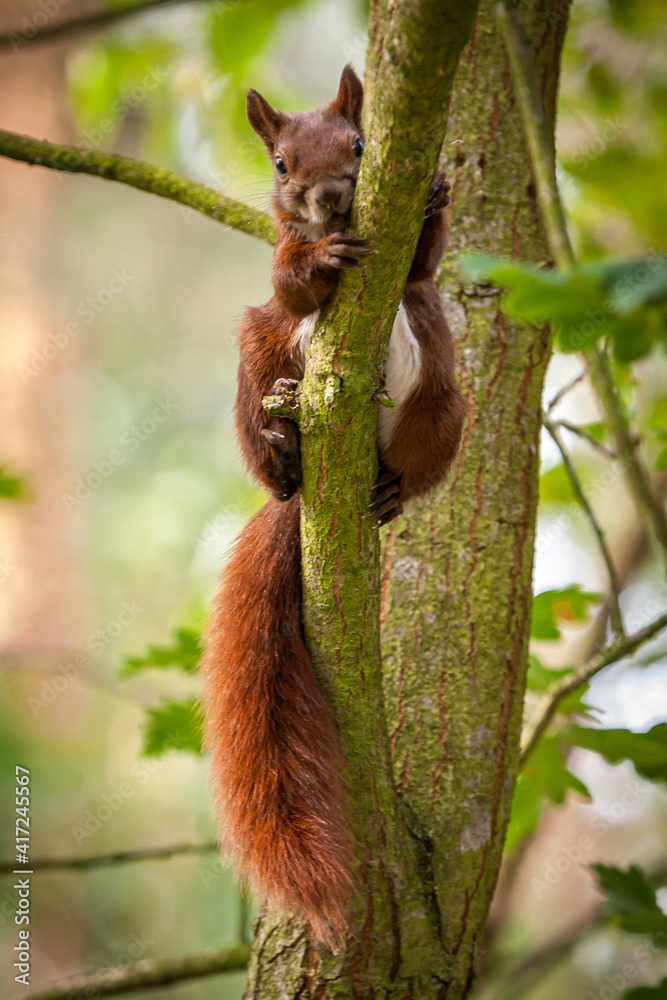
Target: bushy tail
column 276, row 758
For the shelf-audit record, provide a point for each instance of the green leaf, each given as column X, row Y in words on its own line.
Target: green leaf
column 11, row 487
column 657, row 992
column 551, row 606
column 541, row 678
column 631, row 901
column 629, row 182
column 173, row 725
column 536, row 294
column 647, row 751
column 633, row 282
column 556, row 486
column 620, row 299
column 544, row 780
column 661, row 460
column 185, row 653
column 597, row 429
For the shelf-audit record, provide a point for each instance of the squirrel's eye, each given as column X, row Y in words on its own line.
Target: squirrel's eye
column 358, row 147
column 280, row 165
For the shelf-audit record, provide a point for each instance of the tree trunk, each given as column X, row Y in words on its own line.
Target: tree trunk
column 458, row 569
column 457, row 580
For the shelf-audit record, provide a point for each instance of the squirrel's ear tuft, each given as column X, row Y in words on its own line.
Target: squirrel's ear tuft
column 350, row 98
column 264, row 119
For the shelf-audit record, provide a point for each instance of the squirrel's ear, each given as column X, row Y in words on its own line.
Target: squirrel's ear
column 350, row 98
column 264, row 119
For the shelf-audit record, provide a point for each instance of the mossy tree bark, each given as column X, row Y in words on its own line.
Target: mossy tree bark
column 458, row 567
column 430, row 778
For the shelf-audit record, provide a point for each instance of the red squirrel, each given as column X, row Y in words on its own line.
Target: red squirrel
column 277, row 764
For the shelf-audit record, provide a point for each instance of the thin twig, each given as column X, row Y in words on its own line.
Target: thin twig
column 614, row 605
column 585, row 436
column 629, row 559
column 566, row 388
column 527, row 90
column 637, row 475
column 145, row 975
column 115, row 858
column 142, row 175
column 616, row 651
column 526, row 973
column 15, row 40
column 538, row 133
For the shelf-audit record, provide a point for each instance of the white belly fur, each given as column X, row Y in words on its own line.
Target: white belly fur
column 403, row 366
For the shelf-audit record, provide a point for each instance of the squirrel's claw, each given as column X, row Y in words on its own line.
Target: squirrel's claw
column 438, row 197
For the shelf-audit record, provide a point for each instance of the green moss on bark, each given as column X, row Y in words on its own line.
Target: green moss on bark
column 458, row 568
column 141, row 175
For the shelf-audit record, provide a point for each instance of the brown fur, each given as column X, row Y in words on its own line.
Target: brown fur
column 276, row 758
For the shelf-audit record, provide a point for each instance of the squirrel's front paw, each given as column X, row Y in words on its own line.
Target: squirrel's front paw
column 438, row 196
column 339, row 250
column 287, row 388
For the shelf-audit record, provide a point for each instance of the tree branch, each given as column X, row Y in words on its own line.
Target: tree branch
column 616, row 651
column 115, row 858
column 409, row 75
column 14, row 40
column 544, row 166
column 585, row 436
column 145, row 975
column 614, row 605
column 526, row 973
column 626, row 444
column 141, row 175
column 538, row 133
column 566, row 388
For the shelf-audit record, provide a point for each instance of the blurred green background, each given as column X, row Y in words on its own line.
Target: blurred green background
column 121, row 430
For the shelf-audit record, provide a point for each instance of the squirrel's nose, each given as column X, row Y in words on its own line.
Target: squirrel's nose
column 328, row 197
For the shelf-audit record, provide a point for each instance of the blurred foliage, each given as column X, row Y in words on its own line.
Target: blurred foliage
column 570, row 604
column 183, row 87
column 647, row 751
column 544, row 780
column 657, row 992
column 631, row 900
column 185, row 653
column 623, row 301
column 11, row 487
column 612, row 135
column 173, row 725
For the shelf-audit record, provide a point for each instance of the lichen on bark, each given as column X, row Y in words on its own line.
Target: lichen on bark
column 458, row 567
